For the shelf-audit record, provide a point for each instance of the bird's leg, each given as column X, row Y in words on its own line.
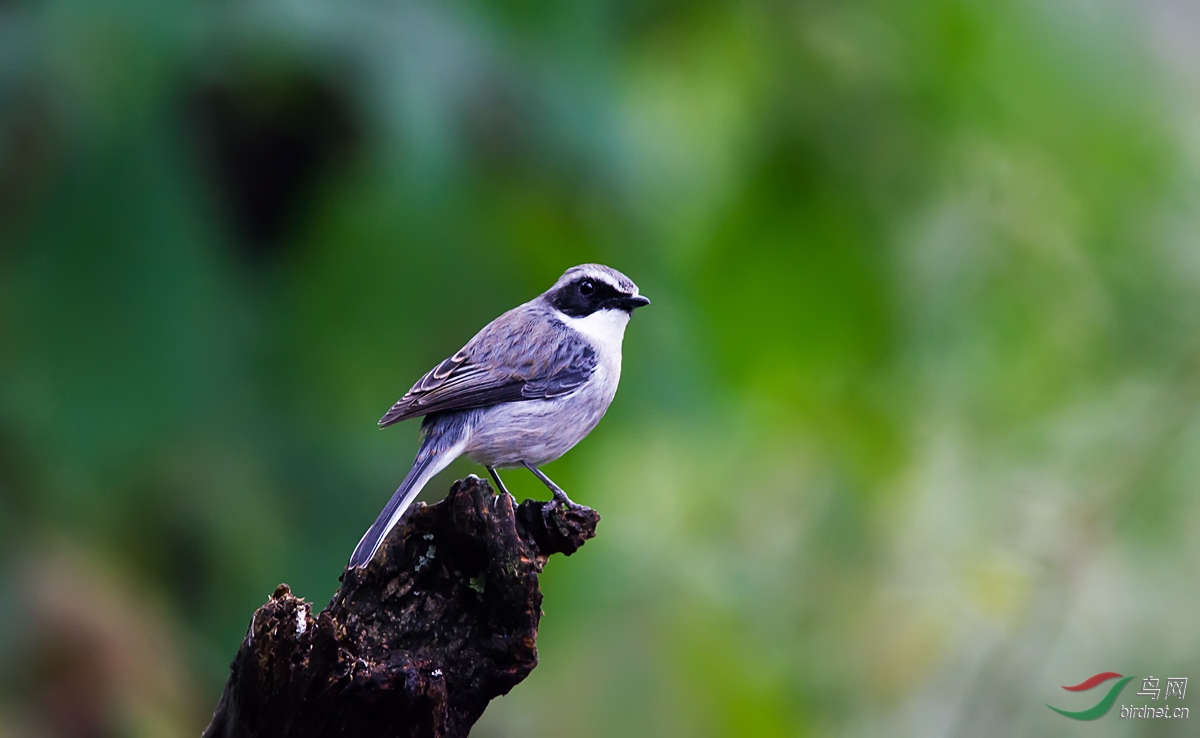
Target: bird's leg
column 496, row 477
column 559, row 495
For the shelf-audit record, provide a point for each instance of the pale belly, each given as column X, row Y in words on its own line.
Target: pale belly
column 540, row 431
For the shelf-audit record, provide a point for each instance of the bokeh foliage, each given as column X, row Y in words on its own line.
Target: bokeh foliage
column 906, row 440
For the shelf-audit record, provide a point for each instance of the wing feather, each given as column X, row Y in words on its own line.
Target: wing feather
column 515, row 358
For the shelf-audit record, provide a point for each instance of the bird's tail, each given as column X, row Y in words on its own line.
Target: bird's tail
column 431, row 459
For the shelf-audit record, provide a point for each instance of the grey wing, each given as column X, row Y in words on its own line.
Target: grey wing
column 512, row 360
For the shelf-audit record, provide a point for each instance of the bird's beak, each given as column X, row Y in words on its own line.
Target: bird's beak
column 630, row 303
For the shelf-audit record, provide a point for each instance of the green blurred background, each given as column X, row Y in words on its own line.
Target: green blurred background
column 907, row 440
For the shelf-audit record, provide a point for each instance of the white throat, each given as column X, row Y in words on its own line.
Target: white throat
column 604, row 329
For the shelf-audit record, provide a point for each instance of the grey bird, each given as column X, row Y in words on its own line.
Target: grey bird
column 522, row 392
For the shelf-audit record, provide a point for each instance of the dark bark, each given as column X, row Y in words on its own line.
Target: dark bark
column 416, row 644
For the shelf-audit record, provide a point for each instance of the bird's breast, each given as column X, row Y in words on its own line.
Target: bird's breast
column 540, row 431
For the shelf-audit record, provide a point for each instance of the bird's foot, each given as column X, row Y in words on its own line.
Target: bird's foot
column 560, row 500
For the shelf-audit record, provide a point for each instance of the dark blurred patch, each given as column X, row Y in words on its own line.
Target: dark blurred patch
column 17, row 497
column 637, row 18
column 621, row 19
column 527, row 15
column 96, row 658
column 68, row 685
column 498, row 126
column 269, row 139
column 28, row 145
column 166, row 540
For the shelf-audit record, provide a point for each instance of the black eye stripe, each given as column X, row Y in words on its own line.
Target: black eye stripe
column 574, row 300
column 603, row 290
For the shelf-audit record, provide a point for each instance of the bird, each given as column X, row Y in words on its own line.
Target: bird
column 521, row 393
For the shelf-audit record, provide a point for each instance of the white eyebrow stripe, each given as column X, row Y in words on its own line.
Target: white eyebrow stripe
column 601, row 273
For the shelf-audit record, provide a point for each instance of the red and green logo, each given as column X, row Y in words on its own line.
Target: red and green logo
column 1104, row 705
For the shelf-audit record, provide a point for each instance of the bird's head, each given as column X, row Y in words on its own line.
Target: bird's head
column 590, row 288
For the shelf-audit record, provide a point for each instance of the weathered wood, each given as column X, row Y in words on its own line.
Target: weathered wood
column 443, row 620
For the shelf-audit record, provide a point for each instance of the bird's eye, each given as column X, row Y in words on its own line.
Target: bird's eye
column 587, row 287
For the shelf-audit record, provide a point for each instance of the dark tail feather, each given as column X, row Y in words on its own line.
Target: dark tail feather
column 416, row 478
column 443, row 438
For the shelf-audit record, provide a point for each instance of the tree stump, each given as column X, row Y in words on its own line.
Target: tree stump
column 441, row 621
